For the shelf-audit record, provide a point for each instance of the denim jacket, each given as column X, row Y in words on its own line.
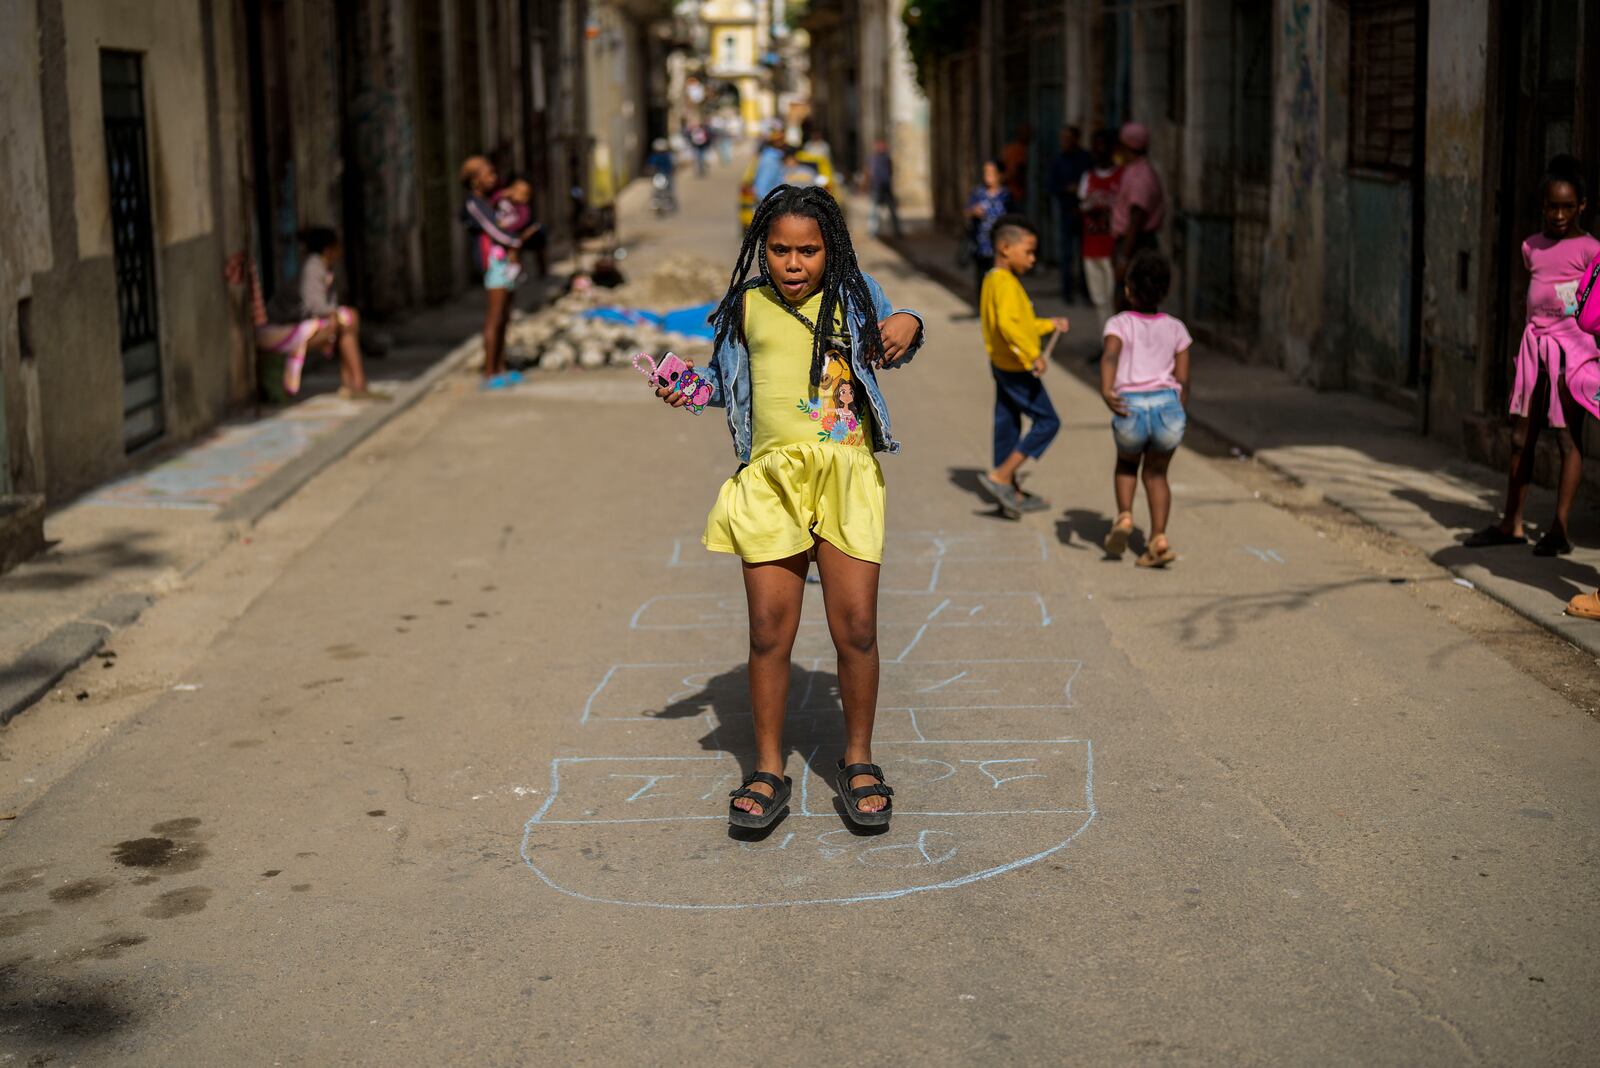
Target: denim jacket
column 729, row 375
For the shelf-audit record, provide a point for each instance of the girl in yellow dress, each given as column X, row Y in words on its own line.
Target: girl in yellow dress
column 797, row 352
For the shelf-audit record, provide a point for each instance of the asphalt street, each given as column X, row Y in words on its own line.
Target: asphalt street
column 450, row 788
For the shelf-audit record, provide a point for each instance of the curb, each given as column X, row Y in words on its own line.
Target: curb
column 1580, row 633
column 46, row 662
column 34, row 673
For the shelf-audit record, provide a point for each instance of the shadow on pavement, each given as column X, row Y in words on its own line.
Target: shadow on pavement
column 818, row 737
column 966, row 480
column 1085, row 528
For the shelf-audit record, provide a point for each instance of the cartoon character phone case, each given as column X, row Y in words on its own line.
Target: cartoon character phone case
column 673, row 373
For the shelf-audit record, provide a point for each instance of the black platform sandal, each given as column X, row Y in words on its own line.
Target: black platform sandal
column 771, row 807
column 852, row 796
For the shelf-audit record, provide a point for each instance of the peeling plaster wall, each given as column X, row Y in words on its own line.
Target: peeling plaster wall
column 1293, row 294
column 386, row 143
column 1456, row 284
column 75, row 328
column 25, row 246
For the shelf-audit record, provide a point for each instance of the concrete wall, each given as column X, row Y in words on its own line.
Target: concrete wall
column 1292, row 301
column 25, row 241
column 79, row 413
column 384, row 131
column 1458, row 231
column 617, row 87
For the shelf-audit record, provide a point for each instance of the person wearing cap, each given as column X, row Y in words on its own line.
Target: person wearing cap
column 1141, row 206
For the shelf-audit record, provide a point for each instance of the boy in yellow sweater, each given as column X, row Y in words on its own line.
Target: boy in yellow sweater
column 1012, row 334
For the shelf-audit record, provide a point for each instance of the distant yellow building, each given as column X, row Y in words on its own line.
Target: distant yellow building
column 737, row 31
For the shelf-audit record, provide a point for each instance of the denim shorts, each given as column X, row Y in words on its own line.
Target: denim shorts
column 502, row 273
column 1155, row 420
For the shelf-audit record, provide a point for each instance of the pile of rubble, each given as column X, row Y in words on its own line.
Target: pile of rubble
column 558, row 336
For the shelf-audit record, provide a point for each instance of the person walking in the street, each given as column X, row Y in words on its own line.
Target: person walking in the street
column 1014, row 159
column 1141, row 206
column 987, row 203
column 1552, row 348
column 770, row 163
column 797, row 351
column 662, row 170
column 308, row 316
column 1097, row 194
column 880, row 185
column 700, row 141
column 1066, row 175
column 1012, row 334
column 496, row 248
column 1144, row 380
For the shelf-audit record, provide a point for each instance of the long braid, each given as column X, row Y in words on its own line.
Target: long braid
column 842, row 279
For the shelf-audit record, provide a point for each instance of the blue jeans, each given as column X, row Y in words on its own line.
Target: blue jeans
column 1019, row 393
column 1155, row 420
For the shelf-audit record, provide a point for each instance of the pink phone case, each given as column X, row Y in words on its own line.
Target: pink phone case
column 672, row 373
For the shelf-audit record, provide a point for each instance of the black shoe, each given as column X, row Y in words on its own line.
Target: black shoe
column 1554, row 543
column 1492, row 536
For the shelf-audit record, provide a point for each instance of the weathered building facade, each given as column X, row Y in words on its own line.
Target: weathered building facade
column 1350, row 179
column 152, row 151
column 863, row 89
column 125, row 191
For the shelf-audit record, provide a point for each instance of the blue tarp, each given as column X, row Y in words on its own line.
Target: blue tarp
column 689, row 322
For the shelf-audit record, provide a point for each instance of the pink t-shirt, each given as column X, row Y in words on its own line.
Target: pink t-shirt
column 1554, row 270
column 1140, row 188
column 1150, row 345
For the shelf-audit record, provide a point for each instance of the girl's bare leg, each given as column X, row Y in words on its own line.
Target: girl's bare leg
column 1157, row 492
column 1571, row 460
column 494, row 331
column 1125, row 482
column 352, row 375
column 850, row 592
column 774, row 592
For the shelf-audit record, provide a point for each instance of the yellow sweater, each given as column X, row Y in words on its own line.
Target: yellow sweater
column 1011, row 331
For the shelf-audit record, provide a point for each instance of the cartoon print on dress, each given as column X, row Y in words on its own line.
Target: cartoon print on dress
column 833, row 408
column 1567, row 294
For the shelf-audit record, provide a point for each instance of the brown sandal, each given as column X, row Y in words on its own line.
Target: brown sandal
column 1158, row 554
column 1116, row 542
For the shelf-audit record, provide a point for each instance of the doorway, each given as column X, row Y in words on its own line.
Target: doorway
column 132, row 245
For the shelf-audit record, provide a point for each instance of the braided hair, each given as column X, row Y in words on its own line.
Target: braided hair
column 841, row 275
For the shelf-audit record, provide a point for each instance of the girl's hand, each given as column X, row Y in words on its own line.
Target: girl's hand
column 1117, row 405
column 1062, row 326
column 672, row 396
column 899, row 333
column 1040, row 366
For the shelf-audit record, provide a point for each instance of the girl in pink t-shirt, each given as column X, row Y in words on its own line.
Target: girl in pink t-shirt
column 1144, row 380
column 1553, row 354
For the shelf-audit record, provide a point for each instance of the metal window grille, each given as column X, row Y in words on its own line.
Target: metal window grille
column 1383, row 84
column 132, row 245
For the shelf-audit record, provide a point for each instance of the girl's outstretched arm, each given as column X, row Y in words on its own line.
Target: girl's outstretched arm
column 884, row 312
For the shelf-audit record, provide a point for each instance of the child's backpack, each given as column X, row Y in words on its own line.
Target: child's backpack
column 1589, row 299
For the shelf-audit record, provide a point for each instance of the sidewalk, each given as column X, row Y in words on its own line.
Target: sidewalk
column 1356, row 452
column 112, row 552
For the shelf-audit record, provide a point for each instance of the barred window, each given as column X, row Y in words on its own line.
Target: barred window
column 1383, row 83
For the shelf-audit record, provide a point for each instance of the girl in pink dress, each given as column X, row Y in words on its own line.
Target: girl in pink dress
column 1552, row 357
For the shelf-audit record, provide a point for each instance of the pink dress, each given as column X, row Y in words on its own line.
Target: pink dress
column 1551, row 341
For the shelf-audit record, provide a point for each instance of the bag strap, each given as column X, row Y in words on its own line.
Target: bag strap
column 1594, row 276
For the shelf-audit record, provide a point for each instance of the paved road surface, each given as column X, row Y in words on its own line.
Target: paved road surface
column 449, row 790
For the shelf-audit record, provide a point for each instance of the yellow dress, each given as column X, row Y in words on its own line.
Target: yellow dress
column 811, row 473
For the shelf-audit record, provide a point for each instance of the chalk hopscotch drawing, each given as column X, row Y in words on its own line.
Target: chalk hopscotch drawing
column 990, row 777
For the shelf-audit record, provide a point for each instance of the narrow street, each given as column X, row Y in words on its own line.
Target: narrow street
column 450, row 788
